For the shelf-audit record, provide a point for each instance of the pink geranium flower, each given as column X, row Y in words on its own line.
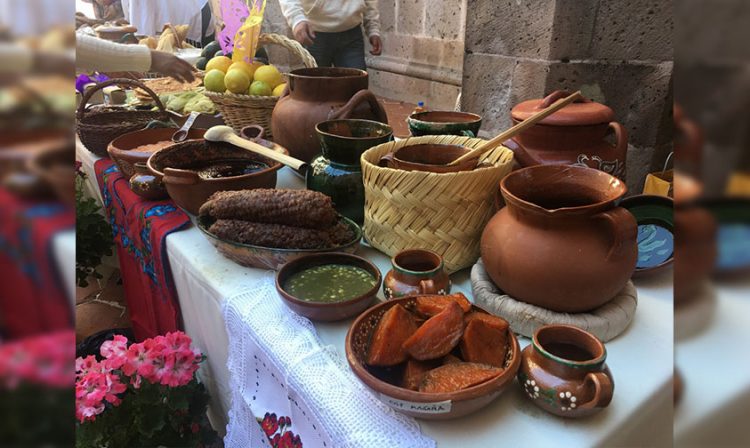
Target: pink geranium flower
column 115, row 351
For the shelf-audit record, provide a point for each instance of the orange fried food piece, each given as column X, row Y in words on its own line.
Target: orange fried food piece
column 414, row 372
column 438, row 335
column 386, row 346
column 483, row 343
column 451, row 359
column 453, row 377
column 432, row 305
column 495, row 321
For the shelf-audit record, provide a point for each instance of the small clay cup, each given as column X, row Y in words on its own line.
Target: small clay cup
column 428, row 406
column 444, row 122
column 416, row 271
column 145, row 184
column 327, row 311
column 431, row 157
column 563, row 371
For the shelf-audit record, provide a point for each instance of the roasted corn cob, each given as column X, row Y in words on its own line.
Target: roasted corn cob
column 297, row 208
column 281, row 236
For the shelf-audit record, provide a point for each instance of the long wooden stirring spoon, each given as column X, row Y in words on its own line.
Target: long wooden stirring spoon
column 226, row 134
column 520, row 127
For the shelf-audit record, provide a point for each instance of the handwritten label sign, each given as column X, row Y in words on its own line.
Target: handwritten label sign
column 438, row 407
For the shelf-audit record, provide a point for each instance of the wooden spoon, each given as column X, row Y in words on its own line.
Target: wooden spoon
column 226, row 134
column 517, row 129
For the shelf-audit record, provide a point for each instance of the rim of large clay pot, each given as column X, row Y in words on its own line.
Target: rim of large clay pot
column 398, row 262
column 328, row 72
column 327, row 128
column 524, row 188
column 569, row 334
column 432, row 117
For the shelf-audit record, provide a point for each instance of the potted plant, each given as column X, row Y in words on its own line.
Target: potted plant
column 142, row 394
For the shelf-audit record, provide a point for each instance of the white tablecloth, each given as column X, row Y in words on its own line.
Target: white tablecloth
column 640, row 359
column 64, row 251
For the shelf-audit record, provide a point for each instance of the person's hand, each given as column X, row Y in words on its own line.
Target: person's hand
column 304, row 34
column 170, row 65
column 377, row 45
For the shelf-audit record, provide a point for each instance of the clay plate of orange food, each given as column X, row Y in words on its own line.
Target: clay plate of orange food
column 433, row 357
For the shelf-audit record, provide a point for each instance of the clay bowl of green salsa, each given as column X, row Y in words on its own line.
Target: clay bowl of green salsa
column 328, row 286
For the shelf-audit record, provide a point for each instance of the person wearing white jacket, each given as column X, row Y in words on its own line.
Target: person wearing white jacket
column 331, row 30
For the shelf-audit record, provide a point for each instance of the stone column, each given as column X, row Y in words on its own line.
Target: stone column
column 618, row 53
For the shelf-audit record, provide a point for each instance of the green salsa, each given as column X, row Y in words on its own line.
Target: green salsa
column 329, row 283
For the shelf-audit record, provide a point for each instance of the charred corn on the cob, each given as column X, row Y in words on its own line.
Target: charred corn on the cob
column 281, row 236
column 297, row 208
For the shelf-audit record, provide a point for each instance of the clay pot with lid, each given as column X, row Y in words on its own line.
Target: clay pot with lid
column 563, row 371
column 561, row 243
column 320, row 94
column 574, row 135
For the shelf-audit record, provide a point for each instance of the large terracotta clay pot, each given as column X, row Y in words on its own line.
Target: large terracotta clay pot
column 560, row 243
column 320, row 94
column 574, row 135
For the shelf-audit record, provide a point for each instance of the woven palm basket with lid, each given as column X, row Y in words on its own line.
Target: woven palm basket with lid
column 243, row 110
column 443, row 212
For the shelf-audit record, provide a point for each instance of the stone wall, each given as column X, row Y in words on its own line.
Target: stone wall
column 618, row 53
column 423, row 50
column 422, row 56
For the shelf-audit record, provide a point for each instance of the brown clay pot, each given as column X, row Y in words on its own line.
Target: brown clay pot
column 574, row 135
column 695, row 250
column 176, row 166
column 563, row 371
column 320, row 94
column 431, row 157
column 120, row 149
column 560, row 243
column 145, row 184
column 416, row 271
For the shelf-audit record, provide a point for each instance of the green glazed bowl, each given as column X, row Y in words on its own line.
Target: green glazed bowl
column 344, row 141
column 270, row 257
column 655, row 217
column 444, row 122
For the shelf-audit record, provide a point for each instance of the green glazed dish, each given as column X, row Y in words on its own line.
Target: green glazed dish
column 444, row 122
column 655, row 217
column 270, row 257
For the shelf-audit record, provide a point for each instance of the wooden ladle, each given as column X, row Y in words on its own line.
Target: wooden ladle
column 517, row 129
column 227, row 135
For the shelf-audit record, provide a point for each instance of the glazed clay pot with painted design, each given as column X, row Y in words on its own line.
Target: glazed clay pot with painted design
column 416, row 271
column 563, row 371
column 320, row 94
column 574, row 135
column 561, row 243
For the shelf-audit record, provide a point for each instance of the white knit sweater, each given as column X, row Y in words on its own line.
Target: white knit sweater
column 331, row 16
column 101, row 55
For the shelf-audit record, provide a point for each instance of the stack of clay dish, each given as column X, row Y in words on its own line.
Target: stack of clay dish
column 442, row 212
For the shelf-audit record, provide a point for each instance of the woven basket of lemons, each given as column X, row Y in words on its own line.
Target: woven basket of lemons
column 241, row 110
column 443, row 212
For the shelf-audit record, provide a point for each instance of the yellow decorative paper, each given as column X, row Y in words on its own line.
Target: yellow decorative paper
column 246, row 39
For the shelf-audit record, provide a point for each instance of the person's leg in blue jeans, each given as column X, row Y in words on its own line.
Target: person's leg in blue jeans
column 323, row 48
column 351, row 49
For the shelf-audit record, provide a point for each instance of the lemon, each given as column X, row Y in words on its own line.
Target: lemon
column 214, row 81
column 219, row 63
column 237, row 80
column 278, row 90
column 269, row 75
column 249, row 69
column 260, row 88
